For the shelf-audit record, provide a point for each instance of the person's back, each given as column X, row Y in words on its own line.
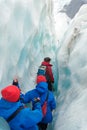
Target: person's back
column 49, row 73
column 26, row 119
column 41, row 91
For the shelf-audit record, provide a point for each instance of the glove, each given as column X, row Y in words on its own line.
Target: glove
column 36, row 100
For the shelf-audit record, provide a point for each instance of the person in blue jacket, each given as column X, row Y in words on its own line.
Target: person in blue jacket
column 41, row 91
column 26, row 119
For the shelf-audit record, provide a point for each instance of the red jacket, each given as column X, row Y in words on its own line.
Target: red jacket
column 48, row 70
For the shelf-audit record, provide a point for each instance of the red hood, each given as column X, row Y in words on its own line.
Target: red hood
column 46, row 63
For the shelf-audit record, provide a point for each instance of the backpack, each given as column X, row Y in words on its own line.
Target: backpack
column 44, row 107
column 41, row 70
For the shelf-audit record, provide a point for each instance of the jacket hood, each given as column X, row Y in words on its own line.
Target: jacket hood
column 7, row 108
column 46, row 63
column 42, row 87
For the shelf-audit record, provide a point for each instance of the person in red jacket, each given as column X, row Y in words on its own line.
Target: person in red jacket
column 49, row 73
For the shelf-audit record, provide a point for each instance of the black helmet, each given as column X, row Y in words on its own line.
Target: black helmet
column 47, row 59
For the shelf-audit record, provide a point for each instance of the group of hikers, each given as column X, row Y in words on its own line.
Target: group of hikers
column 13, row 106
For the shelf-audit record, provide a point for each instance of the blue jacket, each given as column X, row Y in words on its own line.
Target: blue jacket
column 41, row 91
column 26, row 119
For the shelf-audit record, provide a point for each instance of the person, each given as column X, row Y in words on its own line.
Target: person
column 26, row 119
column 49, row 73
column 41, row 91
column 16, row 83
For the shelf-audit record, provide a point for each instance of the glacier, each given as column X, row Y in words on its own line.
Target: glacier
column 72, row 65
column 26, row 37
column 33, row 29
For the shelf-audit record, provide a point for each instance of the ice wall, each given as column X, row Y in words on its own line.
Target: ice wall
column 61, row 20
column 71, row 113
column 26, row 37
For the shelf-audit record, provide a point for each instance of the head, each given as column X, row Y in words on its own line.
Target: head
column 15, row 82
column 11, row 93
column 47, row 59
column 40, row 78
